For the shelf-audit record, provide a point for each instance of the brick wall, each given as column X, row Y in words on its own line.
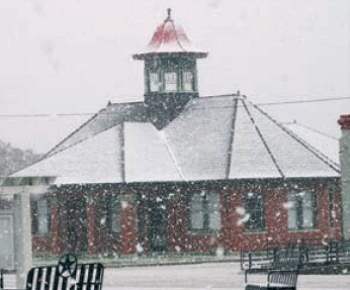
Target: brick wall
column 231, row 237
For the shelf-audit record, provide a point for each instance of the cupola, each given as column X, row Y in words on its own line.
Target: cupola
column 170, row 71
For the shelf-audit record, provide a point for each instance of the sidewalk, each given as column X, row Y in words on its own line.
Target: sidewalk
column 135, row 261
column 205, row 276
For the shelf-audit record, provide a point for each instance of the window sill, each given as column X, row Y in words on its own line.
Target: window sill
column 263, row 232
column 41, row 236
column 309, row 230
column 115, row 234
column 171, row 93
column 204, row 232
column 186, row 91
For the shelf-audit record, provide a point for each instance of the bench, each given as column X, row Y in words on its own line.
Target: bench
column 66, row 275
column 277, row 280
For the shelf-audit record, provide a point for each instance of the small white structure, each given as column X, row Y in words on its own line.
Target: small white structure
column 7, row 258
column 15, row 230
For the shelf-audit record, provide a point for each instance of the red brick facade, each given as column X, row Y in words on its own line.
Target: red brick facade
column 231, row 237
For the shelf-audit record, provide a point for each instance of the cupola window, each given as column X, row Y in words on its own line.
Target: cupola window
column 187, row 81
column 155, row 83
column 170, row 81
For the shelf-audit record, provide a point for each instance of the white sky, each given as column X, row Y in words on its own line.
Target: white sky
column 62, row 56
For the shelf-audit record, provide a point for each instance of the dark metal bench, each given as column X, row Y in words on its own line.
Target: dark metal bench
column 309, row 255
column 277, row 280
column 66, row 275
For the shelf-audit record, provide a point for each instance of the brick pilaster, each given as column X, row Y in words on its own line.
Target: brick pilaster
column 128, row 224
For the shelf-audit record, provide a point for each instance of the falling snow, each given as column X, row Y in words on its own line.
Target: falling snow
column 202, row 185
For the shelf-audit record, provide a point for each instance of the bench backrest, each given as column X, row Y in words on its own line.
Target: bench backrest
column 86, row 277
column 287, row 278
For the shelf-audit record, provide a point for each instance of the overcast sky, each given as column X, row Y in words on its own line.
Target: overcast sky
column 63, row 56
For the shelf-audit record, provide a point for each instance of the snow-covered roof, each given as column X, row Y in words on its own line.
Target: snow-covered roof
column 170, row 38
column 214, row 138
column 94, row 160
column 106, row 118
column 325, row 143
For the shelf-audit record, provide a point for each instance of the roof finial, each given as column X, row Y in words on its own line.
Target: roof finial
column 169, row 14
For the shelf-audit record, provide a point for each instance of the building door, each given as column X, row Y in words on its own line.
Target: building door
column 6, row 242
column 158, row 225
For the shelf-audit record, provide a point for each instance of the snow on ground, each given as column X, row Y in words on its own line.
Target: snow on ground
column 210, row 276
column 204, row 276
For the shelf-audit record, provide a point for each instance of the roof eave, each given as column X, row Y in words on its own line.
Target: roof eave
column 146, row 55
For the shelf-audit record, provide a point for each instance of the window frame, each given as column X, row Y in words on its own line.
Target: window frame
column 36, row 216
column 207, row 212
column 113, row 203
column 332, row 192
column 299, row 200
column 184, row 72
column 154, row 73
column 167, row 72
column 251, row 226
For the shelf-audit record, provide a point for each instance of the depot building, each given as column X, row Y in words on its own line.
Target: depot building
column 180, row 173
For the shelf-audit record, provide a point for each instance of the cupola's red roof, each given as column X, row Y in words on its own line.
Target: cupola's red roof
column 170, row 38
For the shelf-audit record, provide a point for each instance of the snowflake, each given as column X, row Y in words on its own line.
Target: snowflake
column 289, row 204
column 240, row 210
column 244, row 219
column 220, row 251
column 139, row 248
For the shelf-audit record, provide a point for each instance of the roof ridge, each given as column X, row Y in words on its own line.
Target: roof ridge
column 321, row 156
column 125, row 103
column 121, row 133
column 72, row 133
column 164, row 140
column 191, row 103
column 232, row 137
column 84, row 139
column 269, row 151
column 235, row 95
column 176, row 36
column 185, row 109
column 108, row 110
